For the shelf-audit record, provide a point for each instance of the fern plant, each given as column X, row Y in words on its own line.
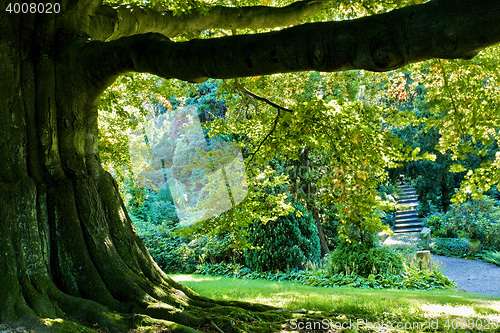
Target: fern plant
column 490, row 256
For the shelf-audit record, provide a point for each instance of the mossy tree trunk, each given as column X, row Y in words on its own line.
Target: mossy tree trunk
column 68, row 248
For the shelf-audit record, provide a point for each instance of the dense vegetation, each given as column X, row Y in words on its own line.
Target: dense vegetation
column 318, row 188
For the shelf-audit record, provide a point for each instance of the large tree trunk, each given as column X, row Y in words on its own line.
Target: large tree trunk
column 68, row 248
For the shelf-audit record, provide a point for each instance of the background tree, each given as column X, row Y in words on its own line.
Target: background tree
column 68, row 246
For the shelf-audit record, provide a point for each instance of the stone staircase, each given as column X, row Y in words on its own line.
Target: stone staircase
column 407, row 219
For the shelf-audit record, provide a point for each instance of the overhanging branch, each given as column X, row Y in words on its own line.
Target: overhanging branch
column 111, row 23
column 437, row 29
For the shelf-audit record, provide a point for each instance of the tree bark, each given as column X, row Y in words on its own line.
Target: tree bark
column 314, row 211
column 110, row 23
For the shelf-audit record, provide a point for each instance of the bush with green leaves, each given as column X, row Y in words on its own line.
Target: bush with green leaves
column 490, row 256
column 156, row 207
column 176, row 254
column 436, row 223
column 450, row 247
column 475, row 219
column 169, row 251
column 287, row 242
column 364, row 260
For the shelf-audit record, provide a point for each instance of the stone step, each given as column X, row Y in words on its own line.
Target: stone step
column 408, row 219
column 408, row 188
column 406, row 213
column 400, row 201
column 408, row 206
column 407, row 202
column 408, row 225
column 409, row 196
column 410, row 211
column 400, row 231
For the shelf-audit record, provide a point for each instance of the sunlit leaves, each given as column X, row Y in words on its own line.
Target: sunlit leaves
column 465, row 95
column 329, row 120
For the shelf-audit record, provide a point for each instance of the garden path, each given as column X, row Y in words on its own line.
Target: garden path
column 474, row 276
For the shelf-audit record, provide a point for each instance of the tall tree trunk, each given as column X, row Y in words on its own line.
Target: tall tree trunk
column 314, row 210
column 68, row 247
column 445, row 191
column 322, row 239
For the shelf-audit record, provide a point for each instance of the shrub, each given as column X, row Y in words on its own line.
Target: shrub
column 490, row 256
column 475, row 219
column 169, row 251
column 364, row 260
column 450, row 247
column 331, row 224
column 156, row 207
column 436, row 223
column 175, row 254
column 287, row 242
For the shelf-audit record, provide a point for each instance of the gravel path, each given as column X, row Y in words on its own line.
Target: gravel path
column 472, row 275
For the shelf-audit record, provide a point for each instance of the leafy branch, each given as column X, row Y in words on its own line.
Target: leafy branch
column 245, row 90
column 276, row 120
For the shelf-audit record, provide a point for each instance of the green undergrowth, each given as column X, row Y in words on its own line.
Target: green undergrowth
column 411, row 278
column 344, row 304
column 490, row 256
column 450, row 247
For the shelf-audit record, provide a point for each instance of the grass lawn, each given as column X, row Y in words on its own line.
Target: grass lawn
column 441, row 310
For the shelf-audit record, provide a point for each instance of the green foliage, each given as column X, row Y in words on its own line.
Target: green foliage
column 348, row 149
column 175, row 254
column 207, row 101
column 167, row 249
column 288, row 242
column 410, row 278
column 450, row 247
column 443, row 112
column 472, row 219
column 475, row 219
column 364, row 260
column 155, row 207
column 389, row 194
column 436, row 223
column 331, row 225
column 264, row 202
column 490, row 256
column 448, row 111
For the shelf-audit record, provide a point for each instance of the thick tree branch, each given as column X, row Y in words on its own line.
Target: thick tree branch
column 111, row 23
column 437, row 29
